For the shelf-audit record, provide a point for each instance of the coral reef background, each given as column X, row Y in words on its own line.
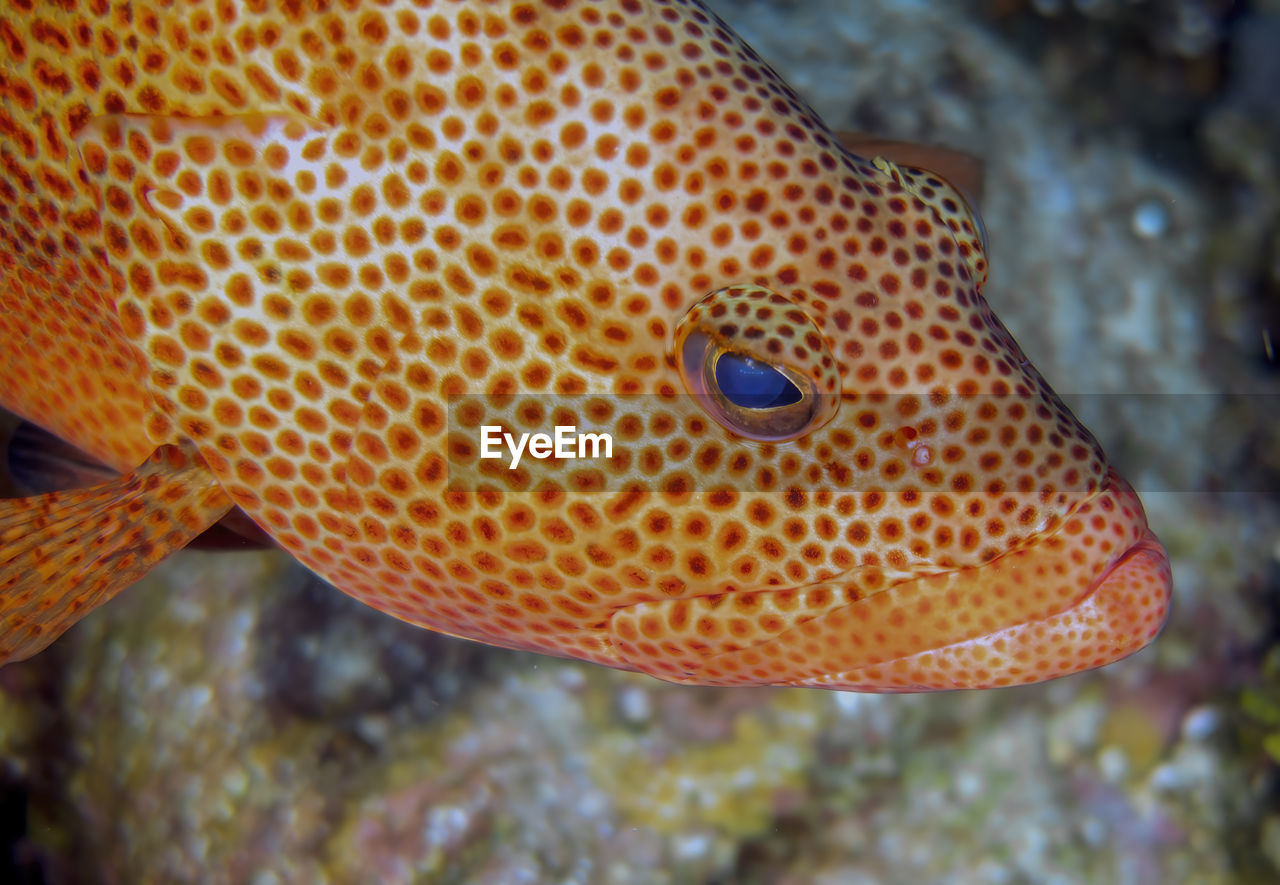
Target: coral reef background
column 230, row 719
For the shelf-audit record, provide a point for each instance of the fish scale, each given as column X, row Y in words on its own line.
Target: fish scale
column 318, row 248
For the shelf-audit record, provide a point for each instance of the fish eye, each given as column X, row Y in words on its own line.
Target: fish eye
column 750, row 397
column 751, row 384
column 725, row 350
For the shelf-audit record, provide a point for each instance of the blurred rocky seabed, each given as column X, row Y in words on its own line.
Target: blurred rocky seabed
column 230, row 719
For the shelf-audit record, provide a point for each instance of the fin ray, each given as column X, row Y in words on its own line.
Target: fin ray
column 63, row 554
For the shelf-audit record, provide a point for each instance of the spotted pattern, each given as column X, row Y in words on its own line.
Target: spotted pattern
column 288, row 238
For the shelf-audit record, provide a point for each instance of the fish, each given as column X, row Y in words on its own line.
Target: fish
column 306, row 261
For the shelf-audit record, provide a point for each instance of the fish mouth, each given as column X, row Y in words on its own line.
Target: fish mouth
column 1092, row 591
column 1122, row 608
column 1145, row 557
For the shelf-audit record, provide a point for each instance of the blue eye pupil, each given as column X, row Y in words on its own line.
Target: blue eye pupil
column 753, row 385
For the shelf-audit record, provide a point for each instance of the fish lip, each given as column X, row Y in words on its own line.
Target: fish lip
column 1107, row 589
column 1119, row 488
column 1148, row 543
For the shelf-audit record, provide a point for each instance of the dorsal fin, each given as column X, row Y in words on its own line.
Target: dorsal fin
column 63, row 554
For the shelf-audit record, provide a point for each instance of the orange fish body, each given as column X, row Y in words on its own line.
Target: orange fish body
column 298, row 261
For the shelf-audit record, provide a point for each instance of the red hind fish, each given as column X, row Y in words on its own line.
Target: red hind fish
column 256, row 256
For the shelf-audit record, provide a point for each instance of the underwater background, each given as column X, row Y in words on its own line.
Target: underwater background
column 231, row 719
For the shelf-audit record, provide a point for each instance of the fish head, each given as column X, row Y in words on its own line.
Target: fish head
column 833, row 466
column 937, row 513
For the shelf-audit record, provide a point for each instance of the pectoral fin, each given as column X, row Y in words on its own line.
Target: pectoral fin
column 63, row 554
column 41, row 462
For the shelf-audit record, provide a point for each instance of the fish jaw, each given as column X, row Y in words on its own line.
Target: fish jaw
column 1088, row 594
column 1124, row 610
